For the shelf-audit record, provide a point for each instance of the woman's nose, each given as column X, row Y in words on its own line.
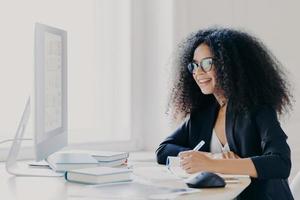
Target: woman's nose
column 198, row 70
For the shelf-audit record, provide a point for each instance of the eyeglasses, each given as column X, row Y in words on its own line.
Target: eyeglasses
column 205, row 64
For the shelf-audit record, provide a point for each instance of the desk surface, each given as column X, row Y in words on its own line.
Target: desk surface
column 56, row 188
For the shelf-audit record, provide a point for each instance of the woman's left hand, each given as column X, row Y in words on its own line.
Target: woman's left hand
column 195, row 161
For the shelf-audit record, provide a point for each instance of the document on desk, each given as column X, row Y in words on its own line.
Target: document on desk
column 154, row 173
column 173, row 165
column 130, row 191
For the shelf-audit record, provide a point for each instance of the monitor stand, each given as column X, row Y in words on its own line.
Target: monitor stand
column 22, row 169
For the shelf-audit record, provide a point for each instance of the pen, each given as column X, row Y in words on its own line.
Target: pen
column 201, row 143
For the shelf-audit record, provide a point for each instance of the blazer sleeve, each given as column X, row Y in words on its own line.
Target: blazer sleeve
column 275, row 161
column 175, row 143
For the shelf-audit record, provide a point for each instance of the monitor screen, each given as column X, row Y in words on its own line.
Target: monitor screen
column 50, row 90
column 53, row 82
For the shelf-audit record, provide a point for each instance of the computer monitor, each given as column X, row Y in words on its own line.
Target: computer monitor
column 50, row 106
column 50, row 90
column 50, row 97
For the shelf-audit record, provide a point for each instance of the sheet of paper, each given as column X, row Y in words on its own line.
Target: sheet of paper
column 131, row 191
column 173, row 164
column 154, row 173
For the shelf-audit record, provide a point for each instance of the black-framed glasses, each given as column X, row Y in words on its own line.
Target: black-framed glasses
column 205, row 64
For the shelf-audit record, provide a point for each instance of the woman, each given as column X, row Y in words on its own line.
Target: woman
column 230, row 88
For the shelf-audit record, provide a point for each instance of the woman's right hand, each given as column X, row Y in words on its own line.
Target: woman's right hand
column 229, row 155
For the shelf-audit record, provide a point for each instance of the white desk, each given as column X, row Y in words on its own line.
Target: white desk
column 19, row 188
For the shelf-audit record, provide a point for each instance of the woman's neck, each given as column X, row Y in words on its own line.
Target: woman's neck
column 220, row 99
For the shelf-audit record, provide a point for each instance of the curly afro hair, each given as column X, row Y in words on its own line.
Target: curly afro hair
column 247, row 72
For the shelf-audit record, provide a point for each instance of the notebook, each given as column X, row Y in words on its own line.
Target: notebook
column 61, row 162
column 173, row 165
column 113, row 163
column 105, row 156
column 99, row 175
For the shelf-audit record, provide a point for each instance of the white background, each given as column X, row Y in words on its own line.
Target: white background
column 155, row 27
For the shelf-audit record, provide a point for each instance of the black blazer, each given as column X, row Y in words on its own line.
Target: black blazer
column 257, row 135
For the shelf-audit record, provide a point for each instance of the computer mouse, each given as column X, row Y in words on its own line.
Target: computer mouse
column 205, row 180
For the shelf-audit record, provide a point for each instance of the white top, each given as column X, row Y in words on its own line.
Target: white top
column 216, row 146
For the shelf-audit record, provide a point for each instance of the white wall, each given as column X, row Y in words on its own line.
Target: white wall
column 157, row 26
column 152, row 46
column 17, row 19
column 99, row 68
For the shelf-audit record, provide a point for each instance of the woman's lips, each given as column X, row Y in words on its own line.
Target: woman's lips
column 204, row 80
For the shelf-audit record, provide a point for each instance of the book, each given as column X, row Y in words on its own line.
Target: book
column 105, row 156
column 61, row 162
column 113, row 163
column 99, row 175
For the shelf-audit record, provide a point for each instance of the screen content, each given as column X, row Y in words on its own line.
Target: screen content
column 53, row 82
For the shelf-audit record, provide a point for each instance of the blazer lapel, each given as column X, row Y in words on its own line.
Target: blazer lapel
column 229, row 127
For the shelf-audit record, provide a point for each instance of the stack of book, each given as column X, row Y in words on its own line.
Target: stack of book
column 61, row 162
column 64, row 161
